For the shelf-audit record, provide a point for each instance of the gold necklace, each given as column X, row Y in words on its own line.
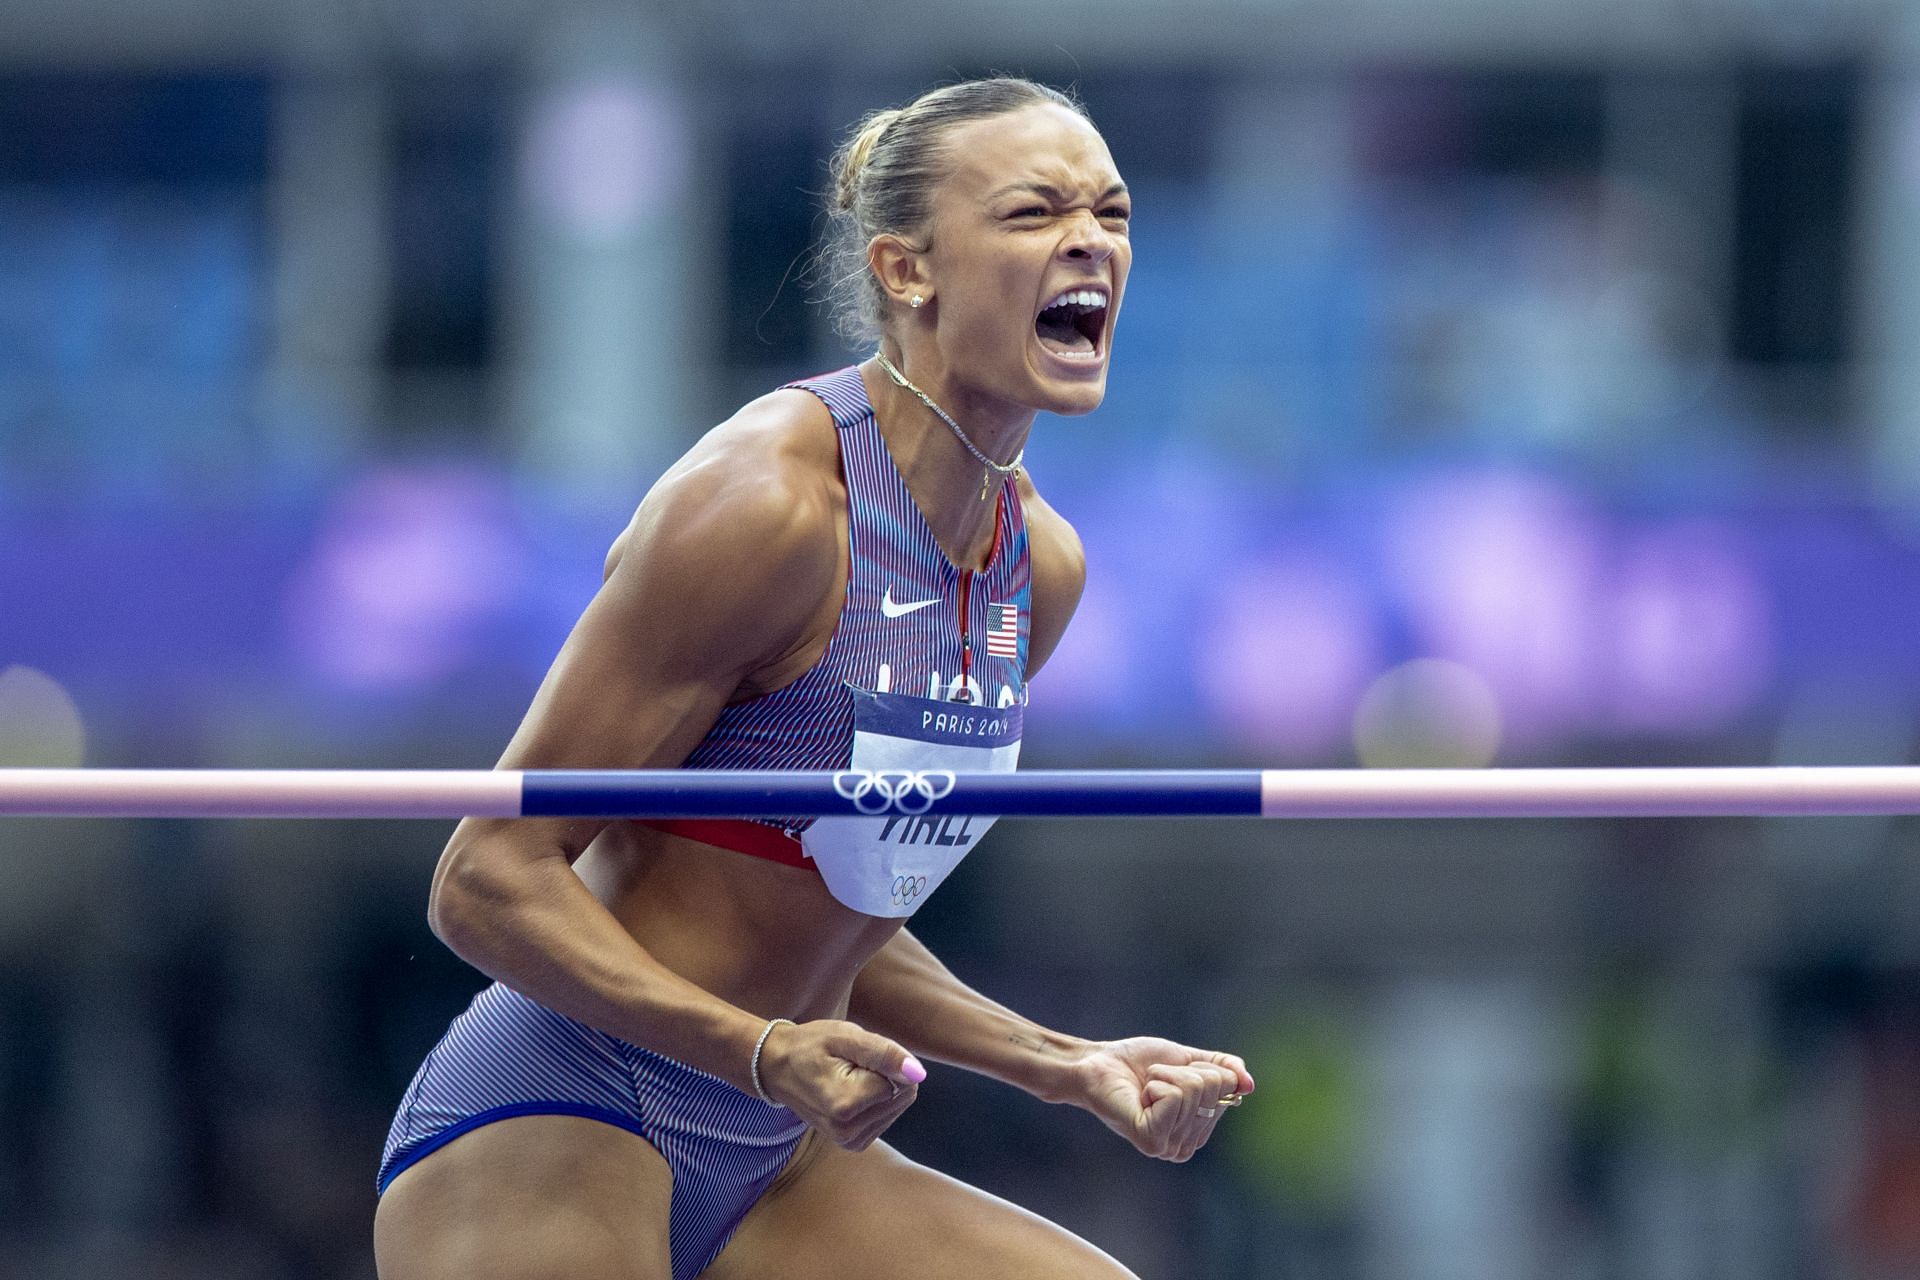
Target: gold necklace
column 1005, row 470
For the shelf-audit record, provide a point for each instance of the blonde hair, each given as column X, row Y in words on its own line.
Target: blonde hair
column 884, row 176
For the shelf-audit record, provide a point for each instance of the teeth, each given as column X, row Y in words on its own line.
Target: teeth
column 1078, row 298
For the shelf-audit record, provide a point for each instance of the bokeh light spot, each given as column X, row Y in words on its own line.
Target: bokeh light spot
column 1691, row 623
column 40, row 727
column 603, row 154
column 1427, row 714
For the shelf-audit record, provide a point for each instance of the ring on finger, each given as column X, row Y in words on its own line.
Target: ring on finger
column 1209, row 1112
column 1231, row 1100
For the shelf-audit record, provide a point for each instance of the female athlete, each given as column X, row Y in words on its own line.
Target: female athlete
column 700, row 1030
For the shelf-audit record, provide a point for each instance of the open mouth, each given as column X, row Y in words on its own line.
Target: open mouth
column 1072, row 324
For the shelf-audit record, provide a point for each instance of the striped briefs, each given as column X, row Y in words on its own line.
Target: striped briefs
column 508, row 1056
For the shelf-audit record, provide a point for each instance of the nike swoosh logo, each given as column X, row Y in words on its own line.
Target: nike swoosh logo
column 892, row 610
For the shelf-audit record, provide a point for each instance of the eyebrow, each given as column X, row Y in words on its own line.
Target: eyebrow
column 1054, row 193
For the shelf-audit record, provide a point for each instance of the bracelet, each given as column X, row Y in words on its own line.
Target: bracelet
column 754, row 1068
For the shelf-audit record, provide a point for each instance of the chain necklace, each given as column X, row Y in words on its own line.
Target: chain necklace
column 1008, row 470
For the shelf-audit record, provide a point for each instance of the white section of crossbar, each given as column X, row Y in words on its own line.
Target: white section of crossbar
column 260, row 793
column 1588, row 793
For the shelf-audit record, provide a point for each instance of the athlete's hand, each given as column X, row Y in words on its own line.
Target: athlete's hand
column 1154, row 1093
column 844, row 1081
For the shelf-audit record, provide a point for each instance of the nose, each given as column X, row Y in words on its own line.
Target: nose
column 1087, row 239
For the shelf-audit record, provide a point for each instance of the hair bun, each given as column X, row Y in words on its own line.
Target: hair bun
column 854, row 157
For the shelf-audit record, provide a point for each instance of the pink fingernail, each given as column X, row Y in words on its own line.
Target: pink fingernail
column 913, row 1071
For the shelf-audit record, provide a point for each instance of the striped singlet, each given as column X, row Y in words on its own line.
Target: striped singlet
column 914, row 635
column 912, row 624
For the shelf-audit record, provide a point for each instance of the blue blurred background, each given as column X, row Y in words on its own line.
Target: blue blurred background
column 1501, row 382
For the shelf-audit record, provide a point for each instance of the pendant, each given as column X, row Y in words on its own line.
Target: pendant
column 986, row 478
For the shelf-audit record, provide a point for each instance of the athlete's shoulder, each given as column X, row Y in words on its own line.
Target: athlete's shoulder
column 785, row 438
column 1053, row 543
column 761, row 489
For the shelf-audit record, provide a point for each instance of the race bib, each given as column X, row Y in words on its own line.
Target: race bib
column 887, row 864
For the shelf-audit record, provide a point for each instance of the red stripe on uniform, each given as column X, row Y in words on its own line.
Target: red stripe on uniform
column 753, row 838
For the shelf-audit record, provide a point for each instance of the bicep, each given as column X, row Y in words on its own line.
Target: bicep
column 685, row 616
column 625, row 691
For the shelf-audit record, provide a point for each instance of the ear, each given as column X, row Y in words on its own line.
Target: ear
column 899, row 267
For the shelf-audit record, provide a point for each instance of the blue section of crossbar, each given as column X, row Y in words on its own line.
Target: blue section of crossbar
column 1054, row 793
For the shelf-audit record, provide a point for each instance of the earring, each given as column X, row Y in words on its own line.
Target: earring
column 916, row 301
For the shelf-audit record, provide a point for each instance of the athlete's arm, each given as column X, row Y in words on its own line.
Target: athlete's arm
column 906, row 994
column 720, row 578
column 1155, row 1093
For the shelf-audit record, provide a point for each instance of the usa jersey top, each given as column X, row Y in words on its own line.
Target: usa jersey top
column 926, row 669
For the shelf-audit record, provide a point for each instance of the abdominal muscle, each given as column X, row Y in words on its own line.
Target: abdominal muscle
column 765, row 937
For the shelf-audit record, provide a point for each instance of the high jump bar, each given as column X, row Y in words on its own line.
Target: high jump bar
column 1055, row 793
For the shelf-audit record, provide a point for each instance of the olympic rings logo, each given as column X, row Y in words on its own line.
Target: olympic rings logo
column 908, row 791
column 907, row 888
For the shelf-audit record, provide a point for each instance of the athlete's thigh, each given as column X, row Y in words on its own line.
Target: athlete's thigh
column 876, row 1215
column 528, row 1198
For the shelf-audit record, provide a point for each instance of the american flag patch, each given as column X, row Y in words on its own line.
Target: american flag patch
column 1004, row 640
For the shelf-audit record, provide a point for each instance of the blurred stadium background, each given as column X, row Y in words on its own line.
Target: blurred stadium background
column 1501, row 381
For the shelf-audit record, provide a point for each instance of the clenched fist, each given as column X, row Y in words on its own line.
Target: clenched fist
column 1163, row 1097
column 844, row 1081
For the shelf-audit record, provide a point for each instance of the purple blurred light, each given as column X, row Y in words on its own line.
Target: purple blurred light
column 1580, row 625
column 1087, row 677
column 405, row 568
column 1498, row 571
column 1287, row 650
column 1691, row 629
